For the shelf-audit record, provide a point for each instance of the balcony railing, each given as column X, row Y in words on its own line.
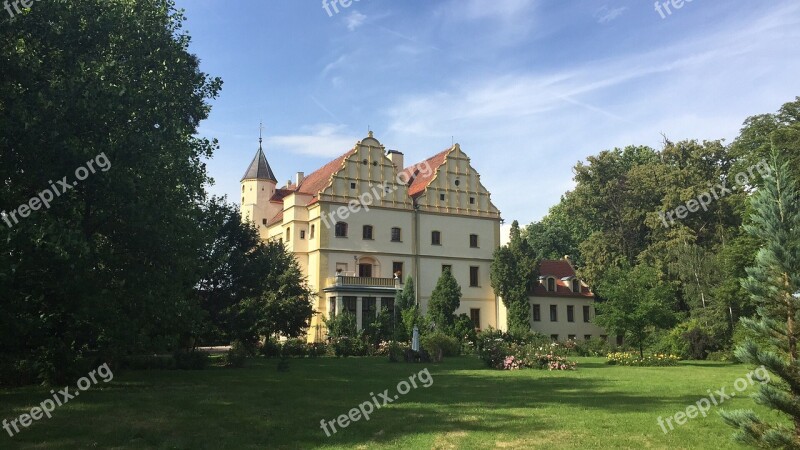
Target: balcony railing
column 346, row 280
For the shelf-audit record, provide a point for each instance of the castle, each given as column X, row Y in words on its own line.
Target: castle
column 362, row 223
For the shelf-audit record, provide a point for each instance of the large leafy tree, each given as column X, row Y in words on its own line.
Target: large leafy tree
column 513, row 274
column 774, row 283
column 636, row 304
column 249, row 288
column 111, row 266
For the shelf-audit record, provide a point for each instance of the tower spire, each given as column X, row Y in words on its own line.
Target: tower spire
column 260, row 129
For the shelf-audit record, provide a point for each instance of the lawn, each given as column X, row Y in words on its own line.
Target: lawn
column 466, row 406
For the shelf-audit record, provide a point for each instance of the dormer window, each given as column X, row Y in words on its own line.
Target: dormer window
column 576, row 286
column 551, row 284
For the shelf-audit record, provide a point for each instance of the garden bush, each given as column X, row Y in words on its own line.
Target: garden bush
column 294, row 348
column 191, row 360
column 271, row 348
column 237, row 355
column 592, row 347
column 440, row 345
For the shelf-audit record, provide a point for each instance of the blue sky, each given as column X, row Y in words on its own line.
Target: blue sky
column 528, row 88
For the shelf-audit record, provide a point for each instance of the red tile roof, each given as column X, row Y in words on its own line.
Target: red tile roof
column 419, row 182
column 559, row 269
column 320, row 179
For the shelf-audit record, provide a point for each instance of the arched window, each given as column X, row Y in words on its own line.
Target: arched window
column 551, row 284
column 576, row 285
column 289, row 235
column 341, row 229
column 311, row 236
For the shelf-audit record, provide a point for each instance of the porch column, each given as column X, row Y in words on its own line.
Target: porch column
column 359, row 301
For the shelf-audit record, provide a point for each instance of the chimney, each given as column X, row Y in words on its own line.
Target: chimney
column 299, row 178
column 397, row 159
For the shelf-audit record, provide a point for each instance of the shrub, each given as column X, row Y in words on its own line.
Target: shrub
column 396, row 351
column 190, row 360
column 592, row 347
column 237, row 355
column 271, row 348
column 345, row 346
column 464, row 329
column 294, row 348
column 316, row 349
column 440, row 345
column 649, row 360
column 15, row 373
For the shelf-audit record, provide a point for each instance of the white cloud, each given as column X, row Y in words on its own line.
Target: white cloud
column 532, row 127
column 605, row 14
column 323, row 139
column 354, row 20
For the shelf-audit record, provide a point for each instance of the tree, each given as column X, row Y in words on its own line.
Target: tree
column 445, row 300
column 636, row 304
column 774, row 284
column 404, row 301
column 513, row 273
column 110, row 267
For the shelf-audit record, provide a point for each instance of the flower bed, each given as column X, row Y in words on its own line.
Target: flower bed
column 649, row 360
column 502, row 355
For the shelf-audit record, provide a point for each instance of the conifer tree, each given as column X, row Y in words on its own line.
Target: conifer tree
column 774, row 284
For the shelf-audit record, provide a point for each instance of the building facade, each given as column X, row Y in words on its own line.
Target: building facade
column 362, row 223
column 562, row 305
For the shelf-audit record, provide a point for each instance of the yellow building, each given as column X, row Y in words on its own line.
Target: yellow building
column 363, row 222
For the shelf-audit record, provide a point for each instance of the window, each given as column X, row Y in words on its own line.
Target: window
column 551, row 284
column 586, row 337
column 570, row 313
column 447, row 267
column 473, row 240
column 457, row 182
column 367, row 311
column 341, row 229
column 441, row 197
column 397, row 269
column 302, row 234
column 553, row 313
column 396, row 234
column 571, row 337
column 311, row 235
column 576, row 286
column 332, row 307
column 475, row 315
column 263, row 221
column 436, row 238
column 554, row 337
column 472, row 200
column 352, row 185
column 289, row 235
column 349, row 305
column 387, row 303
column 473, row 276
column 367, row 232
column 242, row 188
column 242, row 200
column 586, row 312
column 537, row 313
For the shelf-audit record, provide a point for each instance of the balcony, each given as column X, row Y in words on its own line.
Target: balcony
column 368, row 282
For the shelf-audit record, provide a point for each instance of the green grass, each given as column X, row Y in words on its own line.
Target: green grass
column 468, row 406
